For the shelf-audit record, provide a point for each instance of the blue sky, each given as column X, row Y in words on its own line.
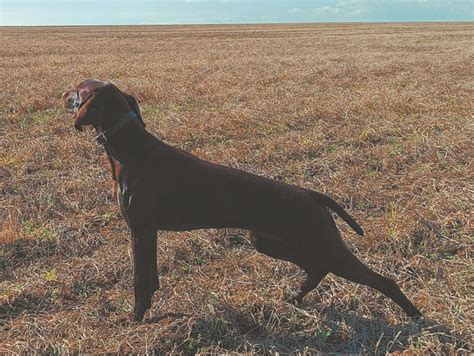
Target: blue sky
column 108, row 12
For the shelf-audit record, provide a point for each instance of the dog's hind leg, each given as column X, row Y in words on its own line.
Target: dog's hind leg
column 352, row 269
column 274, row 247
column 312, row 280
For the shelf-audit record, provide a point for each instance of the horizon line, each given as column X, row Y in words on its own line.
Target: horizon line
column 243, row 23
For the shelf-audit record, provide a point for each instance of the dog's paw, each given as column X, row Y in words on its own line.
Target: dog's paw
column 414, row 313
column 416, row 317
column 139, row 311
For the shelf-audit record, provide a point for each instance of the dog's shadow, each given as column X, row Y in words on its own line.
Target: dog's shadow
column 245, row 330
column 337, row 332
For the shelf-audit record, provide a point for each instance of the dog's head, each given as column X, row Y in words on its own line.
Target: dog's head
column 98, row 103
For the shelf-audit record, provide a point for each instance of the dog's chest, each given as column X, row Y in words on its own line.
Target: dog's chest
column 124, row 191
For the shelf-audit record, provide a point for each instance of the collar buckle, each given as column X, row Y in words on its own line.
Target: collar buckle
column 101, row 139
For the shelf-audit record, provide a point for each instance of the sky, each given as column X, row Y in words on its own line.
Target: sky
column 130, row 12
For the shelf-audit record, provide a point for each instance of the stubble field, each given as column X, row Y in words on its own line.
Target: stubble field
column 377, row 116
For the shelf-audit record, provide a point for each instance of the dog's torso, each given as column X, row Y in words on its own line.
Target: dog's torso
column 182, row 192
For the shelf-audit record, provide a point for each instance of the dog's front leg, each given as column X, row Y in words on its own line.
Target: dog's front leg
column 145, row 273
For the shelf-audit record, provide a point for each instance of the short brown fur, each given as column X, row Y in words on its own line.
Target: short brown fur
column 159, row 187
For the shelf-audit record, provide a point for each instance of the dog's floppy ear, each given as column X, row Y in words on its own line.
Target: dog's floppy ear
column 90, row 112
column 134, row 106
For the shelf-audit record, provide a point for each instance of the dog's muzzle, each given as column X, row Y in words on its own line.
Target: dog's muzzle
column 73, row 102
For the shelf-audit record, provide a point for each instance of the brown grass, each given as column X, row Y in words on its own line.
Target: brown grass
column 378, row 116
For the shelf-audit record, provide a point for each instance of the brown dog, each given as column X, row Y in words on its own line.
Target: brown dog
column 159, row 187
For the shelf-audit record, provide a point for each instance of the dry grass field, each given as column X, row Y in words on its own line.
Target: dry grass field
column 378, row 116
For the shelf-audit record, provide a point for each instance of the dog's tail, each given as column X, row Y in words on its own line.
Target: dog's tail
column 333, row 205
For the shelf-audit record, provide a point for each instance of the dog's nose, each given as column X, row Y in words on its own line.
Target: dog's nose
column 66, row 99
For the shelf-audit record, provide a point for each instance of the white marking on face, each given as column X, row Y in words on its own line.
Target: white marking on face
column 74, row 101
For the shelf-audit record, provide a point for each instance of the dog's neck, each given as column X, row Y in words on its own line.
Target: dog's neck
column 128, row 144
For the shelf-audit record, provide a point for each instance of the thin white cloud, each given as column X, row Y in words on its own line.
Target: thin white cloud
column 388, row 10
